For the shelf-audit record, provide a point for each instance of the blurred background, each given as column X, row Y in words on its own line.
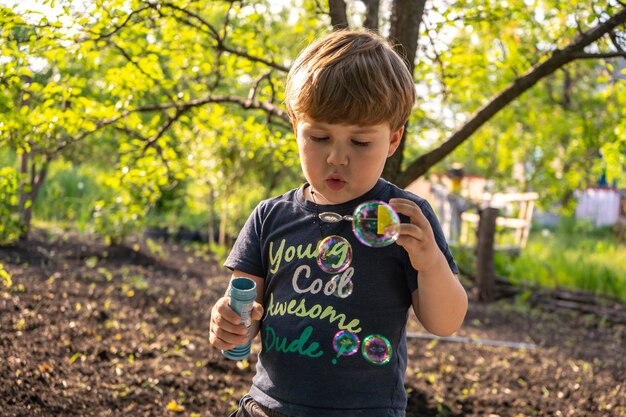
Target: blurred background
column 123, row 118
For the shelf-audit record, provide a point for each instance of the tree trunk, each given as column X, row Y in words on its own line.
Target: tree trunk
column 371, row 14
column 338, row 14
column 28, row 195
column 406, row 17
column 23, row 192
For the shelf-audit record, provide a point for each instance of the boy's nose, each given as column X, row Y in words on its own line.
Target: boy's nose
column 337, row 156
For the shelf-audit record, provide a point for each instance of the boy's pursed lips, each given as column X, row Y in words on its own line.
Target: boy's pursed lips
column 335, row 177
column 335, row 182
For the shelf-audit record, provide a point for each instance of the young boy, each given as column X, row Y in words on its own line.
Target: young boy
column 335, row 344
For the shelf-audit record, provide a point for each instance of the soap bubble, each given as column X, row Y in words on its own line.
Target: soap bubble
column 376, row 349
column 346, row 343
column 334, row 254
column 342, row 291
column 376, row 224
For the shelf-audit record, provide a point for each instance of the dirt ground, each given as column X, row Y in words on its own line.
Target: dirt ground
column 90, row 330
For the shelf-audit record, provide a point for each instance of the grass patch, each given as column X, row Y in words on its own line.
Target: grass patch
column 592, row 264
column 572, row 256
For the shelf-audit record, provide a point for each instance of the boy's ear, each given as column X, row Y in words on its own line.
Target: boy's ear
column 394, row 142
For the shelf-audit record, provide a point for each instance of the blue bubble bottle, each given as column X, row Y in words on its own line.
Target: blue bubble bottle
column 242, row 292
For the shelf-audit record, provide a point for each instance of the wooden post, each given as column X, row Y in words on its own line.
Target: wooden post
column 485, row 271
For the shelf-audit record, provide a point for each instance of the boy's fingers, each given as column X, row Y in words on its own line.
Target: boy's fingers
column 410, row 231
column 222, row 338
column 225, row 328
column 220, row 324
column 222, row 308
column 410, row 209
column 227, row 340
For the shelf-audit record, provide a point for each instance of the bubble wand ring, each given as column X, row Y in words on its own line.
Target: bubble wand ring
column 374, row 223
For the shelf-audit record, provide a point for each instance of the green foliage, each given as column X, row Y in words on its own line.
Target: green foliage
column 170, row 110
column 70, row 194
column 574, row 256
column 148, row 96
column 559, row 136
column 465, row 258
column 10, row 227
column 220, row 253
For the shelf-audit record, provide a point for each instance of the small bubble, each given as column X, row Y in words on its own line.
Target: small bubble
column 376, row 349
column 334, row 254
column 345, row 343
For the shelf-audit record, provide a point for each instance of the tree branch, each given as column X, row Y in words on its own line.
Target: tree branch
column 615, row 41
column 559, row 58
column 116, row 29
column 158, row 149
column 152, row 142
column 601, row 55
column 223, row 47
column 204, row 22
column 136, row 65
column 255, row 86
column 181, row 108
column 220, row 45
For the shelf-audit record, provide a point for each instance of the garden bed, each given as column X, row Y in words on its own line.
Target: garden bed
column 90, row 330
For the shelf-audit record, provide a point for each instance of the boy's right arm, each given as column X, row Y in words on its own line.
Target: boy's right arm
column 225, row 328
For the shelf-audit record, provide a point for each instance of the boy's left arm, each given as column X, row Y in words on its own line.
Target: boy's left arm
column 440, row 302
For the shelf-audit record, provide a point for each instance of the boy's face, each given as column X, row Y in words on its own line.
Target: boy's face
column 343, row 162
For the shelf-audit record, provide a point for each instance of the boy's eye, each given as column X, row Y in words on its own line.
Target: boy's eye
column 360, row 143
column 318, row 138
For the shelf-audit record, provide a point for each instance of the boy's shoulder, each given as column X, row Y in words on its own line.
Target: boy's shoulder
column 292, row 197
column 393, row 191
column 287, row 196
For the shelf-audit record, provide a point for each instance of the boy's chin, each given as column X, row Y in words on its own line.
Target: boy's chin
column 342, row 197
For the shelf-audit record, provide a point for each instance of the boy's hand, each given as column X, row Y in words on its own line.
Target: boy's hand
column 417, row 237
column 225, row 328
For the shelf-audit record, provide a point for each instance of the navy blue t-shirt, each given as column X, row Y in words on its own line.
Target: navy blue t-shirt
column 332, row 344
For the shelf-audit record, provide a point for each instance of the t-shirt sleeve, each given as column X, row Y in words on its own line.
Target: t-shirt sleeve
column 440, row 238
column 246, row 254
column 429, row 213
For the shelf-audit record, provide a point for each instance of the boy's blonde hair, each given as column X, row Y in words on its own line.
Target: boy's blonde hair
column 350, row 77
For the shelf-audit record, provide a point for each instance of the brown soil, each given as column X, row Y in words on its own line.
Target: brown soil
column 90, row 330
